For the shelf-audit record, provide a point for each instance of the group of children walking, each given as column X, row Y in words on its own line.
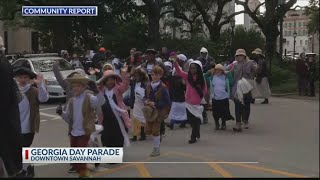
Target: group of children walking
column 155, row 95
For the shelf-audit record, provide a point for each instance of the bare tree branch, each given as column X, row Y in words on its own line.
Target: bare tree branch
column 166, row 12
column 231, row 17
column 261, row 4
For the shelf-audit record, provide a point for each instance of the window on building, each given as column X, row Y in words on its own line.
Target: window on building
column 288, row 43
column 285, row 25
column 300, row 42
column 290, row 24
column 299, row 24
column 299, row 33
column 306, row 42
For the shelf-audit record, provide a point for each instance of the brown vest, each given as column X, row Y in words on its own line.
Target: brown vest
column 88, row 114
column 164, row 112
column 32, row 95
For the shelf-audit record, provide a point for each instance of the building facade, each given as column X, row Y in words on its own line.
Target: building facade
column 295, row 22
column 19, row 40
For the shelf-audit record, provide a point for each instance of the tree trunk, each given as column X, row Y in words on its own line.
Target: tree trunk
column 271, row 45
column 154, row 34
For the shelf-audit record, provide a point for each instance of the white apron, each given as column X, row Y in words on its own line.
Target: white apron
column 138, row 104
column 196, row 110
column 178, row 111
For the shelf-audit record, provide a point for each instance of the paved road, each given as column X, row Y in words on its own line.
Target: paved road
column 283, row 140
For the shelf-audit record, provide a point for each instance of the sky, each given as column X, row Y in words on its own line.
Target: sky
column 239, row 18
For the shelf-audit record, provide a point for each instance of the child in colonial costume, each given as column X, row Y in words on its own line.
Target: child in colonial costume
column 157, row 101
column 29, row 108
column 80, row 114
column 178, row 111
column 196, row 88
column 116, row 121
column 220, row 85
column 137, row 93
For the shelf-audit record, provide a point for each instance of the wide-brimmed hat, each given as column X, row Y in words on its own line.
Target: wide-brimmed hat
column 241, row 52
column 107, row 74
column 258, row 51
column 77, row 71
column 219, row 66
column 24, row 71
column 78, row 78
column 152, row 51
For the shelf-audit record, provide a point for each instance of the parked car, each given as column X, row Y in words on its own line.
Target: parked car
column 43, row 63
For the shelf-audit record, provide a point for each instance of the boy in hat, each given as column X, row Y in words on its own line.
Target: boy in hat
column 157, row 96
column 80, row 115
column 29, row 108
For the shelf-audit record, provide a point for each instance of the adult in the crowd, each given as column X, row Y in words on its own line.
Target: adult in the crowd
column 183, row 62
column 99, row 57
column 131, row 57
column 301, row 71
column 151, row 62
column 75, row 61
column 262, row 75
column 137, row 60
column 311, row 76
column 164, row 54
column 10, row 127
column 244, row 68
column 205, row 59
column 65, row 55
column 87, row 61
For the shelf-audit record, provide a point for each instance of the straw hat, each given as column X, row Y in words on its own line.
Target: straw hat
column 241, row 52
column 258, row 51
column 219, row 66
column 107, row 74
column 78, row 78
column 107, row 65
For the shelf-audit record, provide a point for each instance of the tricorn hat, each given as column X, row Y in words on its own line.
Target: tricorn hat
column 107, row 74
column 24, row 71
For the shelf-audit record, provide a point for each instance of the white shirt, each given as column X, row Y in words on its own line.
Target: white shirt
column 139, row 94
column 154, row 85
column 24, row 106
column 77, row 126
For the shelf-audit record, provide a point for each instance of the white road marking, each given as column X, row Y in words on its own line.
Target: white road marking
column 48, row 108
column 44, row 120
column 48, row 115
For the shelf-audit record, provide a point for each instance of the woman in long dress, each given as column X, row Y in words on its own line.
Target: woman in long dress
column 116, row 121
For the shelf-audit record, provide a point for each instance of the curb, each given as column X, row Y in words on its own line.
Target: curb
column 281, row 95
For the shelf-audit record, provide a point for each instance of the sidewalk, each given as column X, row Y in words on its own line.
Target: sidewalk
column 296, row 96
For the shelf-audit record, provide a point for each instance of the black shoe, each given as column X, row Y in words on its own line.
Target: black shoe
column 30, row 171
column 133, row 139
column 142, row 138
column 72, row 170
column 182, row 125
column 266, row 101
column 191, row 141
column 237, row 130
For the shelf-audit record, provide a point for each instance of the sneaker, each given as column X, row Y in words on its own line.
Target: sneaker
column 30, row 171
column 72, row 170
column 155, row 152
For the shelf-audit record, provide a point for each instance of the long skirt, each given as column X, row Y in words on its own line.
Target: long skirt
column 264, row 88
column 220, row 109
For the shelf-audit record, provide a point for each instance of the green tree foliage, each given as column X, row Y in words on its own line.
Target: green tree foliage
column 313, row 12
